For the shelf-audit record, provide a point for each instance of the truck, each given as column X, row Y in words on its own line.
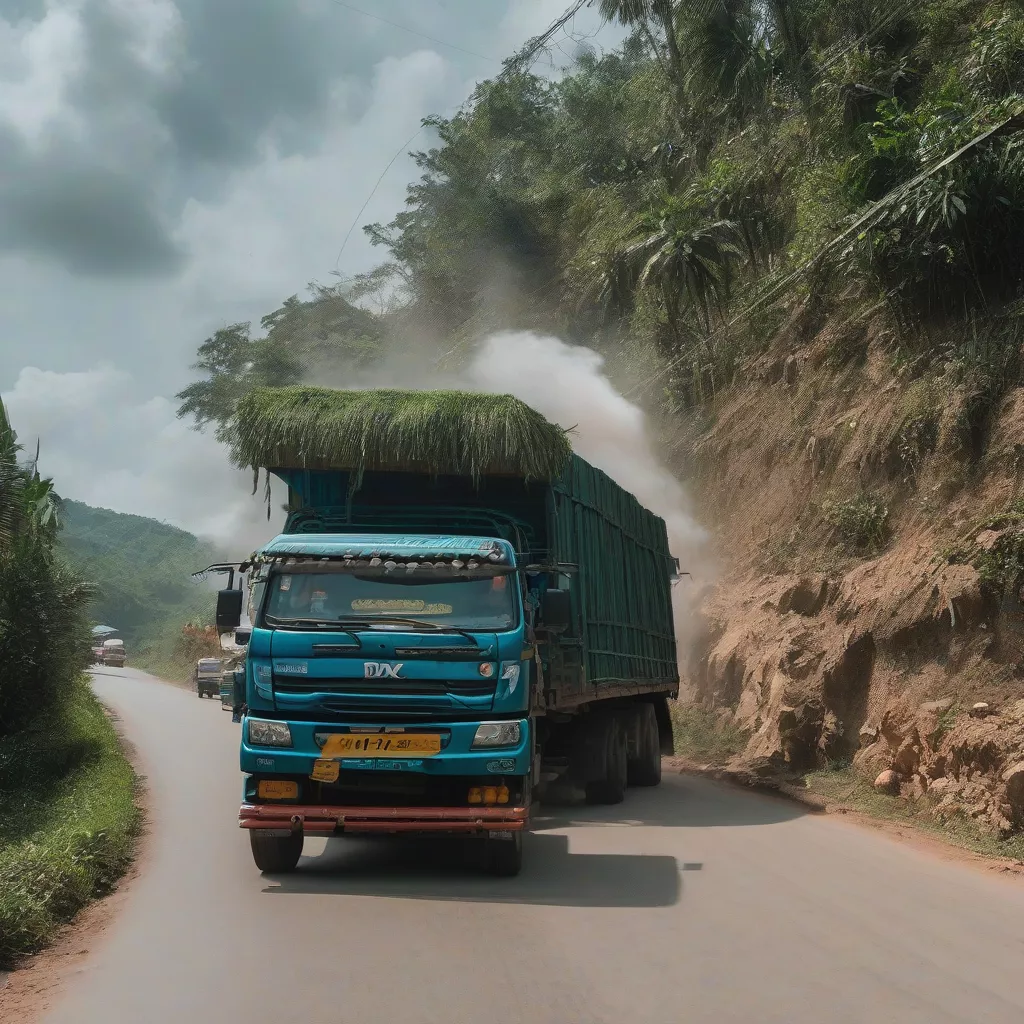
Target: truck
column 460, row 616
column 112, row 653
column 206, row 677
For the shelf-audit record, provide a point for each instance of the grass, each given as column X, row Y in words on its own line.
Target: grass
column 861, row 523
column 704, row 735
column 839, row 783
column 422, row 431
column 68, row 821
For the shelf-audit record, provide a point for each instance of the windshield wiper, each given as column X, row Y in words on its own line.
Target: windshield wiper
column 284, row 620
column 433, row 627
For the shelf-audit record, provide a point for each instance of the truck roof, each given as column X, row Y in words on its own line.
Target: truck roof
column 370, row 545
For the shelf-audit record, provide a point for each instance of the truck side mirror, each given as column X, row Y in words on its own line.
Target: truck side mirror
column 229, row 610
column 556, row 610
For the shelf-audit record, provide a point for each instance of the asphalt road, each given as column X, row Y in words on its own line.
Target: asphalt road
column 691, row 903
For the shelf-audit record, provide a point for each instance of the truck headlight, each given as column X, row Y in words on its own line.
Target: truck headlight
column 264, row 733
column 496, row 734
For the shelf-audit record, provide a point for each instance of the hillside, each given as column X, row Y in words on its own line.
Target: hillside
column 142, row 571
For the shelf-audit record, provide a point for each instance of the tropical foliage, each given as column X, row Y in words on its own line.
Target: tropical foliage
column 44, row 639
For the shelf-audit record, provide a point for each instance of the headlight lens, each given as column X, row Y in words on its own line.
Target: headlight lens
column 269, row 734
column 496, row 734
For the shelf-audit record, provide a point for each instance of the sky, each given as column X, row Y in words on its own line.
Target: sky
column 173, row 166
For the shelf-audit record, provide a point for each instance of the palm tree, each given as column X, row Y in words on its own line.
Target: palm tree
column 11, row 482
column 29, row 506
column 689, row 265
column 639, row 14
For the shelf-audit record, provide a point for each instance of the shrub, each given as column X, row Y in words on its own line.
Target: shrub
column 68, row 820
column 861, row 523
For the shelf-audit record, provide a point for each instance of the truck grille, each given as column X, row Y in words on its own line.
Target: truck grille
column 388, row 687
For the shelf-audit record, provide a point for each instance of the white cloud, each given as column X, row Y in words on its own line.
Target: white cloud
column 37, row 61
column 293, row 210
column 106, row 444
column 157, row 32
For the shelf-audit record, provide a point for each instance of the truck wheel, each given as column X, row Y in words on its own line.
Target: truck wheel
column 611, row 789
column 505, row 856
column 646, row 769
column 276, row 855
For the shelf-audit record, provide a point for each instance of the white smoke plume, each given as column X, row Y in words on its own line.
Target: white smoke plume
column 567, row 385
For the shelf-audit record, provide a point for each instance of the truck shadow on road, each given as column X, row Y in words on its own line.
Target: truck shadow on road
column 448, row 871
column 680, row 802
column 553, row 875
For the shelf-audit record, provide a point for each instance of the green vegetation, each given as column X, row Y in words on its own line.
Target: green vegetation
column 68, row 820
column 67, row 812
column 839, row 784
column 999, row 558
column 706, row 735
column 433, row 431
column 860, row 523
column 140, row 570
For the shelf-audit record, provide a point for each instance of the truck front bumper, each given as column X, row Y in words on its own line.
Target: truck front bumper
column 311, row 819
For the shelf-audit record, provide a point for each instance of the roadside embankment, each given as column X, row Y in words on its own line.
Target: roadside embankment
column 69, row 820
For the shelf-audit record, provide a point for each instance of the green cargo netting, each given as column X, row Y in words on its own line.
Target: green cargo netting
column 440, row 432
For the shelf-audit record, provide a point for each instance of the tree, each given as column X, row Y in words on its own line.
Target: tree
column 301, row 339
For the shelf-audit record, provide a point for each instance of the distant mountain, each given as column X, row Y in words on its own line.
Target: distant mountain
column 142, row 569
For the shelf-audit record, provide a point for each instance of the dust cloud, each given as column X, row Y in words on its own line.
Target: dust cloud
column 566, row 384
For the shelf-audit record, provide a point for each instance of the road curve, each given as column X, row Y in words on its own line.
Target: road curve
column 692, row 903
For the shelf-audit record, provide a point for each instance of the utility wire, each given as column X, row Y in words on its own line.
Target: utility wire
column 510, row 67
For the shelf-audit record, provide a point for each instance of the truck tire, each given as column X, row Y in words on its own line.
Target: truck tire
column 504, row 857
column 611, row 788
column 276, row 855
column 645, row 770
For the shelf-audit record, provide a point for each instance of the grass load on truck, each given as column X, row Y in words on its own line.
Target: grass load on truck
column 460, row 614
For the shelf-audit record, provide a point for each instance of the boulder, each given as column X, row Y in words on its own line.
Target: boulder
column 888, row 782
column 1013, row 779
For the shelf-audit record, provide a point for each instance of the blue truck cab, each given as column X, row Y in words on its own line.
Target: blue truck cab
column 427, row 653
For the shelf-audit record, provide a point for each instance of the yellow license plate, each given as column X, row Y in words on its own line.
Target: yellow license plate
column 271, row 789
column 325, row 771
column 393, row 744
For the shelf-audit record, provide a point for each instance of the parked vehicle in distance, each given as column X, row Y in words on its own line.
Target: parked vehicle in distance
column 113, row 653
column 206, row 677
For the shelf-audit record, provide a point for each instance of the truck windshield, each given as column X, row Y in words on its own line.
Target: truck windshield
column 339, row 596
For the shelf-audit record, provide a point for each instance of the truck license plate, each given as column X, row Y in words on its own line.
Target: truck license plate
column 374, row 745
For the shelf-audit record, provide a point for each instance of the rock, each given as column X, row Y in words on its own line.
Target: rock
column 988, row 539
column 868, row 734
column 937, row 706
column 1013, row 778
column 805, row 597
column 872, row 759
column 888, row 782
column 919, row 786
column 981, row 709
column 940, row 788
column 908, row 757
